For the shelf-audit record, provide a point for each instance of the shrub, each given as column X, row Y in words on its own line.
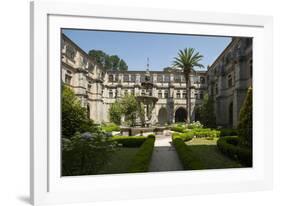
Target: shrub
column 115, row 113
column 228, row 132
column 129, row 141
column 230, row 147
column 245, row 126
column 187, row 136
column 195, row 125
column 141, row 161
column 178, row 128
column 187, row 158
column 110, row 127
column 74, row 116
column 85, row 154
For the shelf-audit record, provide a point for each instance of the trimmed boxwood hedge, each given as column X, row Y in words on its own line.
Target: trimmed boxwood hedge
column 188, row 159
column 230, row 147
column 184, row 136
column 129, row 141
column 178, row 128
column 141, row 161
column 110, row 127
column 228, row 132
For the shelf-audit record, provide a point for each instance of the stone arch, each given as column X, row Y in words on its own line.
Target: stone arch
column 230, row 114
column 162, row 116
column 180, row 115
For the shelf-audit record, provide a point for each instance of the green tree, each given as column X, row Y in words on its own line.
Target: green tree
column 115, row 61
column 108, row 62
column 245, row 124
column 74, row 116
column 115, row 113
column 122, row 65
column 206, row 111
column 99, row 56
column 129, row 108
column 186, row 60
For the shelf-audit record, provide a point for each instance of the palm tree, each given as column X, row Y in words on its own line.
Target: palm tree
column 186, row 60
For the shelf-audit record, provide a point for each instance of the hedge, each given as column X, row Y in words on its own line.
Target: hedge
column 199, row 133
column 129, row 141
column 184, row 136
column 230, row 147
column 110, row 127
column 178, row 128
column 188, row 159
column 141, row 161
column 228, row 132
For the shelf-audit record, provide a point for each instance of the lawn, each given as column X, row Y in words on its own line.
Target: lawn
column 120, row 161
column 209, row 155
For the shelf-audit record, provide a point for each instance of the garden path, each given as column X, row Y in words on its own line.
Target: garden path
column 164, row 157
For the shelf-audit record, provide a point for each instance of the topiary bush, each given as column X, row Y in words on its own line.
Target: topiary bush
column 195, row 125
column 230, row 147
column 141, row 161
column 129, row 141
column 188, row 159
column 245, row 125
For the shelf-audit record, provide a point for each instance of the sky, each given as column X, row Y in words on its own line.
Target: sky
column 134, row 48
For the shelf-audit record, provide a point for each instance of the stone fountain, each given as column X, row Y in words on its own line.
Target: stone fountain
column 148, row 101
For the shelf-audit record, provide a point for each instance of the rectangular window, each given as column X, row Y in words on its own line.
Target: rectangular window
column 167, row 78
column 142, row 92
column 110, row 78
column 178, row 95
column 160, row 94
column 184, row 94
column 230, row 83
column 67, row 79
column 159, row 78
column 166, row 94
column 133, row 78
column 142, row 78
column 202, row 80
column 177, row 78
column 126, row 78
column 110, row 93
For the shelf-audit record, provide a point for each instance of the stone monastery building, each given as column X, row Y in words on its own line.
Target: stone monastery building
column 227, row 80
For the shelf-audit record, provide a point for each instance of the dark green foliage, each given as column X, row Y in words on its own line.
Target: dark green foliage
column 228, row 132
column 230, row 147
column 245, row 125
column 115, row 113
column 129, row 141
column 85, row 154
column 178, row 128
column 127, row 106
column 142, row 159
column 110, row 127
column 184, row 136
column 108, row 62
column 186, row 156
column 73, row 116
column 206, row 111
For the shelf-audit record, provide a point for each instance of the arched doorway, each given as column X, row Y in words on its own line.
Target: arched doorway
column 230, row 114
column 180, row 115
column 162, row 116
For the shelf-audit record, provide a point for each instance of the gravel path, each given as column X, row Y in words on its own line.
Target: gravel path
column 164, row 157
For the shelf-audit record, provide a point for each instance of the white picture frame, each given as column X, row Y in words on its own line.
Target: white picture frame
column 47, row 18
